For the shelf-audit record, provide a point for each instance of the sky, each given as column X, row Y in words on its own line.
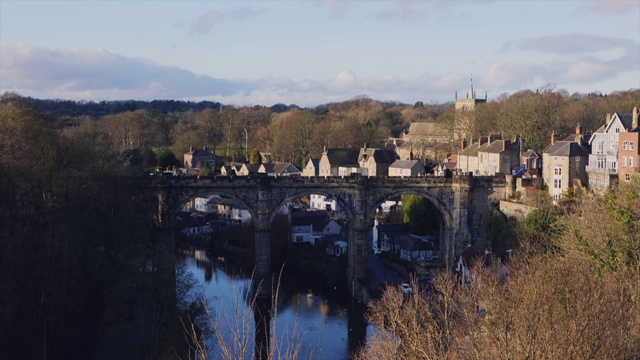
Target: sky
column 315, row 52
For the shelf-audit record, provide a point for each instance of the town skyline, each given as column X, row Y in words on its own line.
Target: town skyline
column 311, row 53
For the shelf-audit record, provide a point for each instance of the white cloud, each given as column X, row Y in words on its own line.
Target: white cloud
column 344, row 80
column 509, row 75
column 99, row 74
column 95, row 74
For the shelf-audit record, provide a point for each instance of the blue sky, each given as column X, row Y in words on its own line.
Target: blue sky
column 314, row 52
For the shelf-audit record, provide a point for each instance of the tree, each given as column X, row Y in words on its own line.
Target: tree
column 421, row 216
column 255, row 157
column 167, row 159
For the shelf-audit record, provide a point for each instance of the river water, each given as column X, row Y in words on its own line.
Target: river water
column 307, row 322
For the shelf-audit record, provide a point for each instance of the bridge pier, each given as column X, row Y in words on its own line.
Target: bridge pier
column 262, row 274
column 358, row 235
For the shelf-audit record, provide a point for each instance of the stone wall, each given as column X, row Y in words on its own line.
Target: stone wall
column 518, row 211
column 486, row 194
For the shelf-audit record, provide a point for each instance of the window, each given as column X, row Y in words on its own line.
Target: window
column 557, row 171
column 557, row 183
column 627, row 177
column 630, row 145
column 624, row 145
column 624, row 161
column 630, row 161
column 299, row 238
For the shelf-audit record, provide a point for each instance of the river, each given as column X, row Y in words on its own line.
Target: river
column 307, row 322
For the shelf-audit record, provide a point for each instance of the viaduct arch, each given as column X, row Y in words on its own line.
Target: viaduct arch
column 464, row 202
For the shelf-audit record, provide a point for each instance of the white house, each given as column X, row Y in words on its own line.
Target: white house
column 309, row 226
column 229, row 210
column 386, row 232
column 406, row 168
column 321, row 202
column 603, row 159
column 201, row 204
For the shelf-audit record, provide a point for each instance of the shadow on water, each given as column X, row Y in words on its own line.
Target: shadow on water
column 322, row 323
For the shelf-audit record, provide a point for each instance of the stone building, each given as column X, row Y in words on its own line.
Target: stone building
column 603, row 160
column 195, row 159
column 333, row 159
column 629, row 150
column 563, row 164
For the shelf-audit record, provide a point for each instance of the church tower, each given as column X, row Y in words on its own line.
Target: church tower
column 465, row 117
column 470, row 102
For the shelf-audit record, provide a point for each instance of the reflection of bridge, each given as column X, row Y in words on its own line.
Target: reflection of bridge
column 464, row 203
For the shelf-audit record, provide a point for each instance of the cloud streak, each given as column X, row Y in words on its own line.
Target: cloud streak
column 204, row 23
column 570, row 43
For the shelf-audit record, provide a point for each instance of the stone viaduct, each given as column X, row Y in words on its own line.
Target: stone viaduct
column 464, row 203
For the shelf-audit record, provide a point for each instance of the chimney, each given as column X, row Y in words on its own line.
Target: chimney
column 191, row 148
column 634, row 123
column 464, row 144
column 579, row 134
column 506, row 145
column 554, row 137
column 365, row 146
column 608, row 118
column 482, row 140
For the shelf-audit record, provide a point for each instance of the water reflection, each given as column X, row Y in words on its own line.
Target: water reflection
column 306, row 322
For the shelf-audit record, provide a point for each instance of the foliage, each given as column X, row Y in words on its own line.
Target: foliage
column 420, row 214
column 540, row 229
column 255, row 157
column 167, row 159
column 606, row 230
column 502, row 236
column 83, row 271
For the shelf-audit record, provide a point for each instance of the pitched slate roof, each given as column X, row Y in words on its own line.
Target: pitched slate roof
column 424, row 129
column 392, row 228
column 625, row 119
column 404, row 164
column 406, row 242
column 530, row 154
column 566, row 148
column 494, row 148
column 315, row 163
column 472, row 150
column 342, row 156
column 317, row 219
column 279, row 168
column 380, row 156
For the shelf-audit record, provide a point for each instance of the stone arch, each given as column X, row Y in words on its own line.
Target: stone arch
column 344, row 203
column 176, row 200
column 443, row 209
column 443, row 200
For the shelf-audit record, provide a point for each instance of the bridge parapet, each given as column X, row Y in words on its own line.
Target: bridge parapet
column 464, row 202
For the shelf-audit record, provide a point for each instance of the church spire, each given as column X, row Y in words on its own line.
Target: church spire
column 470, row 94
